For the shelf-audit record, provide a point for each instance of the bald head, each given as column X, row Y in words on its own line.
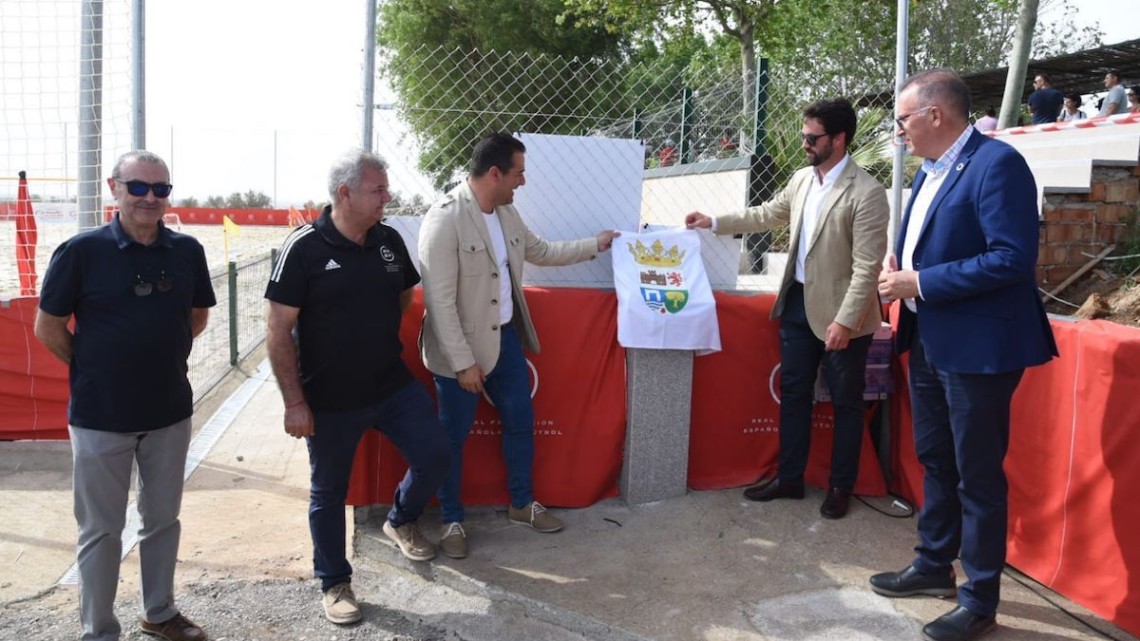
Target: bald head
column 942, row 88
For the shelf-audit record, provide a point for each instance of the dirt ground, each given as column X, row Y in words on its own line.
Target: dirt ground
column 1101, row 294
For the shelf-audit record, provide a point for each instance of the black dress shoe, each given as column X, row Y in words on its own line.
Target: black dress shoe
column 774, row 490
column 958, row 624
column 911, row 582
column 835, row 505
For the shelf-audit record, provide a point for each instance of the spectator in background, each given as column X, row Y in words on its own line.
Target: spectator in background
column 1115, row 102
column 668, row 154
column 1045, row 103
column 987, row 122
column 1133, row 101
column 1072, row 109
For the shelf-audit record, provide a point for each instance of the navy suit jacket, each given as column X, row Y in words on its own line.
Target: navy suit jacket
column 976, row 256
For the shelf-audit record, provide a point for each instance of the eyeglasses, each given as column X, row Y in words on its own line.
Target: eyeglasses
column 138, row 188
column 145, row 287
column 901, row 120
column 811, row 139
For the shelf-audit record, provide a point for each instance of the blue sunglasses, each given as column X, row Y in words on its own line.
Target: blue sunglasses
column 138, row 188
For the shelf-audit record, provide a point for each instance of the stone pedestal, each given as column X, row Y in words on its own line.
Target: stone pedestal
column 659, row 397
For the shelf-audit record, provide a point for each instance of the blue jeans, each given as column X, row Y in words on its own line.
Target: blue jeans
column 961, row 434
column 508, row 386
column 408, row 419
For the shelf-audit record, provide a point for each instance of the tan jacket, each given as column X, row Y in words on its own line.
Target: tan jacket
column 461, row 286
column 845, row 255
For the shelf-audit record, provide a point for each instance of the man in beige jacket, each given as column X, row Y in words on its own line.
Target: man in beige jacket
column 472, row 247
column 828, row 301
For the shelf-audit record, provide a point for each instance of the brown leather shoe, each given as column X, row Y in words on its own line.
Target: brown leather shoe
column 774, row 490
column 176, row 628
column 835, row 504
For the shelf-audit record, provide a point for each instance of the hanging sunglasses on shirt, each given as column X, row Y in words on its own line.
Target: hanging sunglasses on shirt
column 145, row 288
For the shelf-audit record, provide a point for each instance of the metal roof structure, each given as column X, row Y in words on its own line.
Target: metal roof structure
column 1081, row 72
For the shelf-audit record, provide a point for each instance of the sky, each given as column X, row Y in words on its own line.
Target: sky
column 241, row 94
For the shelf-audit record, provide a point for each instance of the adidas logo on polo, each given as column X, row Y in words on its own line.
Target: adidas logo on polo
column 332, row 264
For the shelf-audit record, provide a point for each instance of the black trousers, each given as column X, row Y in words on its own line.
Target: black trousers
column 801, row 353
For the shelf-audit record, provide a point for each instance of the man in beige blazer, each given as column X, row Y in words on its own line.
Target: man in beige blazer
column 472, row 246
column 828, row 301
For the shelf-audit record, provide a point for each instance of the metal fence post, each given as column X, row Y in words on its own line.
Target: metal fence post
column 763, row 169
column 233, row 294
column 686, row 126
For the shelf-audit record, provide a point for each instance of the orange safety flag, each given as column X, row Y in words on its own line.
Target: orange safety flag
column 295, row 218
column 26, row 238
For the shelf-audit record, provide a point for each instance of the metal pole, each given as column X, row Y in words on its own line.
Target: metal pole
column 760, row 117
column 899, row 172
column 686, row 146
column 66, row 167
column 90, row 212
column 369, row 74
column 138, row 71
column 231, row 283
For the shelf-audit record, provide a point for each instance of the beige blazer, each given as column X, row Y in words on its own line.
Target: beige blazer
column 461, row 281
column 844, row 255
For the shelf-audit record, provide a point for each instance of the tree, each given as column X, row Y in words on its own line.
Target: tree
column 491, row 65
column 215, row 202
column 403, row 206
column 257, row 200
column 738, row 20
column 1018, row 61
column 188, row 201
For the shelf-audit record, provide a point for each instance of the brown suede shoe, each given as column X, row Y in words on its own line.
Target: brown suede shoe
column 176, row 628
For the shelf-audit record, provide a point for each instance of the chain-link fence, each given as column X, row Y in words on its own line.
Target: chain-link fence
column 714, row 141
column 237, row 324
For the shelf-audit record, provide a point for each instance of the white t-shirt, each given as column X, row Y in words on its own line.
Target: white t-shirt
column 499, row 244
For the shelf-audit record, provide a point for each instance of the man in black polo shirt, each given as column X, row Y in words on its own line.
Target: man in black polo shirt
column 343, row 284
column 139, row 293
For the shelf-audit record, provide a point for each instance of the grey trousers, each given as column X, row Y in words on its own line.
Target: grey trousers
column 101, row 479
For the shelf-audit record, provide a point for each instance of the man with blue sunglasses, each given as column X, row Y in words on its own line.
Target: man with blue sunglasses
column 139, row 294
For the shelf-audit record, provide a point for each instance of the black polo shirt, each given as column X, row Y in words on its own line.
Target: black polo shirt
column 348, row 329
column 128, row 367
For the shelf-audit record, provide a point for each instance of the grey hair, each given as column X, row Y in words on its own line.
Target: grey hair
column 138, row 155
column 348, row 168
column 943, row 88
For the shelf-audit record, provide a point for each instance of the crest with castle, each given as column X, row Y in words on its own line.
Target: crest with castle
column 656, row 255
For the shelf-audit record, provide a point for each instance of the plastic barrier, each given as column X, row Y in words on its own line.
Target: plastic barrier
column 734, row 436
column 1073, row 468
column 33, row 382
column 579, row 401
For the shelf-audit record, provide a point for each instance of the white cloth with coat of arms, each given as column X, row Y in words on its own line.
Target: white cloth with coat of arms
column 664, row 297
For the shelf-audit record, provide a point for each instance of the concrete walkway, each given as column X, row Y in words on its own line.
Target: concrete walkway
column 706, row 566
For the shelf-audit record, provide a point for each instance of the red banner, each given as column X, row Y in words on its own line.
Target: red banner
column 579, row 401
column 33, row 382
column 1073, row 468
column 213, row 216
column 734, row 437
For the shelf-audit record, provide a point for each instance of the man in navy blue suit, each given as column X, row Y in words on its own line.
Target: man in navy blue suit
column 973, row 321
